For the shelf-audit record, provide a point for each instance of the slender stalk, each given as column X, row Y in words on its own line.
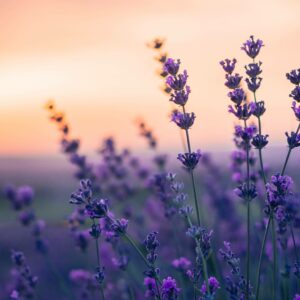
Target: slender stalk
column 248, row 221
column 98, row 262
column 137, row 249
column 192, row 174
column 274, row 257
column 260, row 259
column 59, row 277
column 260, row 150
column 294, row 243
column 202, row 258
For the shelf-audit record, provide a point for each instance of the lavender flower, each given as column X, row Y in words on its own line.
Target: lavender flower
column 294, row 76
column 181, row 97
column 253, row 83
column 190, row 160
column 278, row 189
column 24, row 282
column 184, row 121
column 259, row 109
column 149, row 282
column 253, row 70
column 233, row 81
column 181, row 263
column 296, row 110
column 246, row 191
column 228, row 65
column 171, row 66
column 293, row 139
column 252, row 47
column 259, row 141
column 295, row 93
column 214, row 285
column 169, row 288
column 243, row 112
column 177, row 82
column 237, row 96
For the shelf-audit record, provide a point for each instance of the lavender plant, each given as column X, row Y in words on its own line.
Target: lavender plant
column 169, row 252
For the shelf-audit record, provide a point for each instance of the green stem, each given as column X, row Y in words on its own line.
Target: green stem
column 275, row 283
column 137, row 249
column 59, row 278
column 98, row 262
column 248, row 222
column 202, row 257
column 294, row 243
column 260, row 259
column 192, row 174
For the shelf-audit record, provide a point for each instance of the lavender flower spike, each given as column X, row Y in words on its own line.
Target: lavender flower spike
column 252, row 47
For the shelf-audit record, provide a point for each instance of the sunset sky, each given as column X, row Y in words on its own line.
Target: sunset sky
column 91, row 57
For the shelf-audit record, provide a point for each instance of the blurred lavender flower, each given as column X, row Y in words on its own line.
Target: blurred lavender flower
column 235, row 282
column 169, row 288
column 181, row 264
column 214, row 285
column 24, row 282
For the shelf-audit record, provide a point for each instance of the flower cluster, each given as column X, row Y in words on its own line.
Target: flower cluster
column 24, row 281
column 21, row 199
column 235, row 282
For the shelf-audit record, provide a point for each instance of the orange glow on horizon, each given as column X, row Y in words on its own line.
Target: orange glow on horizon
column 91, row 57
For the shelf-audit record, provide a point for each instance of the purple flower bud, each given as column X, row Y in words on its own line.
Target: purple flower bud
column 171, row 66
column 151, row 286
column 242, row 112
column 26, row 217
column 252, row 47
column 295, row 93
column 260, row 141
column 296, row 110
column 190, row 160
column 119, row 226
column 97, row 208
column 253, row 70
column 245, row 192
column 213, row 284
column 181, row 263
column 183, row 120
column 293, row 139
column 259, row 109
column 237, row 96
column 82, row 239
column 181, row 97
column 253, row 83
column 297, row 297
column 294, row 76
column 233, row 81
column 177, row 82
column 245, row 134
column 228, row 65
column 169, row 289
column 25, row 194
